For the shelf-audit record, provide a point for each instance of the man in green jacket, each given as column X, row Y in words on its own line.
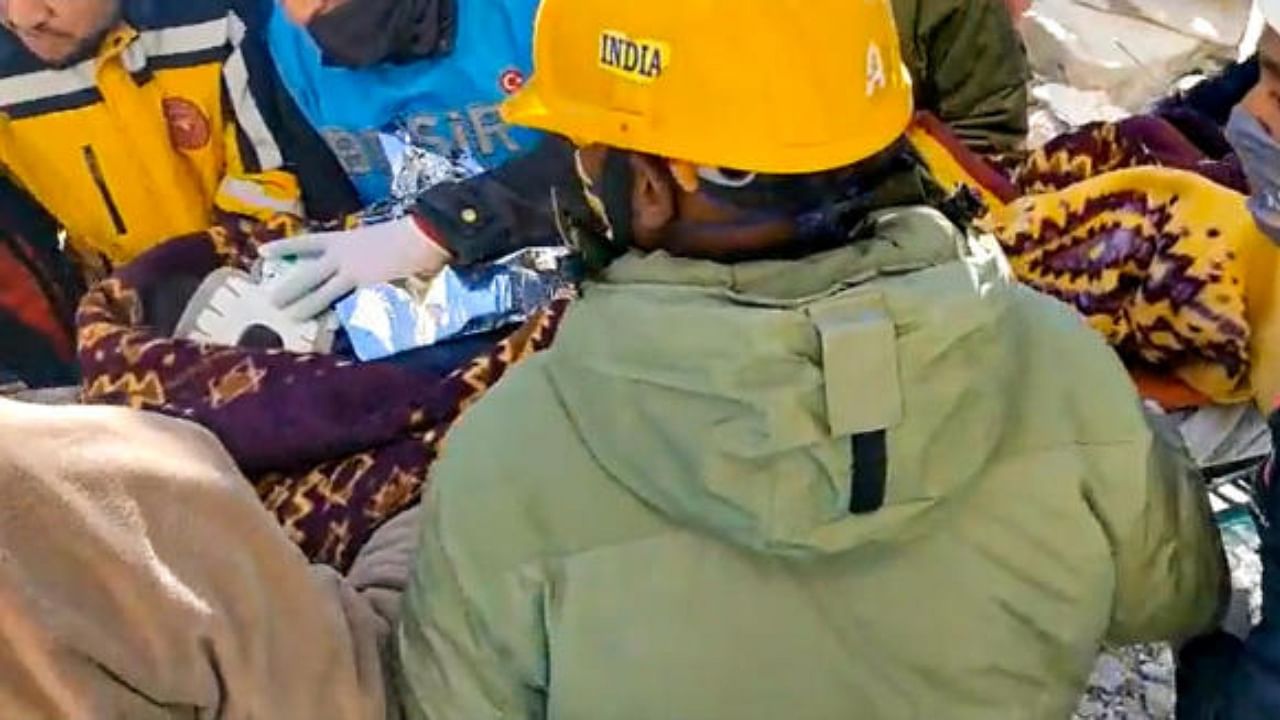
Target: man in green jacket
column 803, row 449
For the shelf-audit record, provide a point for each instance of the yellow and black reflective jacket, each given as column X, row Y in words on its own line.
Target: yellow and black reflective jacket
column 174, row 116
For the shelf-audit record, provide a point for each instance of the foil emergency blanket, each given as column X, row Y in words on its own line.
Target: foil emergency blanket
column 388, row 319
column 414, row 170
column 393, row 318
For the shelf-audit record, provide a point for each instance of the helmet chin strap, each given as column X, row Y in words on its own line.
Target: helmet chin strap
column 617, row 186
column 746, row 236
column 604, row 232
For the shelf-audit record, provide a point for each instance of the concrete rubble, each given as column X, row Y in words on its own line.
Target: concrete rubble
column 1101, row 60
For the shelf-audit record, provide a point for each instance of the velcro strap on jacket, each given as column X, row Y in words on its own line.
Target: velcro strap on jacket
column 860, row 363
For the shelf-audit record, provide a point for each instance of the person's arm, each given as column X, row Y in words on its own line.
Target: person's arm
column 128, row 612
column 1216, row 97
column 481, row 219
column 328, row 195
column 257, row 181
column 506, row 209
column 470, row 642
column 972, row 71
column 1171, row 574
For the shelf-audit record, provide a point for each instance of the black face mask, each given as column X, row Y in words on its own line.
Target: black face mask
column 599, row 227
column 361, row 33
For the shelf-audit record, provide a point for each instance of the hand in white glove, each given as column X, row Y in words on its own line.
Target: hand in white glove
column 332, row 265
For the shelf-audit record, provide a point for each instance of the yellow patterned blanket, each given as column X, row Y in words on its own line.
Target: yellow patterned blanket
column 333, row 448
column 1164, row 261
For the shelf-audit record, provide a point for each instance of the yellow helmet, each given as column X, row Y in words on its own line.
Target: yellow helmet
column 765, row 86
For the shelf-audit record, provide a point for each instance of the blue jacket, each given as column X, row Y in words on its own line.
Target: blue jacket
column 449, row 103
column 1222, row 678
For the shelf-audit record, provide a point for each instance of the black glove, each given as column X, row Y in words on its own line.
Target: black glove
column 1267, row 494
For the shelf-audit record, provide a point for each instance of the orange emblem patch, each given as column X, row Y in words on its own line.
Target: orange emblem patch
column 188, row 126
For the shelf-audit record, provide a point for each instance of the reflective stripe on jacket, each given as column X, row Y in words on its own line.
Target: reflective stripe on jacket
column 141, row 142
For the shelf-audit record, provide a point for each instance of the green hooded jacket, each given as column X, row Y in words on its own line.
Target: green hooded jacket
column 970, row 68
column 880, row 482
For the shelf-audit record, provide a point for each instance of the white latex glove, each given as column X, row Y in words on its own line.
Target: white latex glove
column 332, row 265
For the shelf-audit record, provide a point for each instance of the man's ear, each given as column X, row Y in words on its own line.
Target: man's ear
column 653, row 197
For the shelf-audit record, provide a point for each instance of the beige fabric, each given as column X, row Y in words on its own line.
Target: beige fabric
column 140, row 578
column 381, row 572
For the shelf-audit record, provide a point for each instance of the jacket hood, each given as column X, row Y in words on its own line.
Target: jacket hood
column 766, row 402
